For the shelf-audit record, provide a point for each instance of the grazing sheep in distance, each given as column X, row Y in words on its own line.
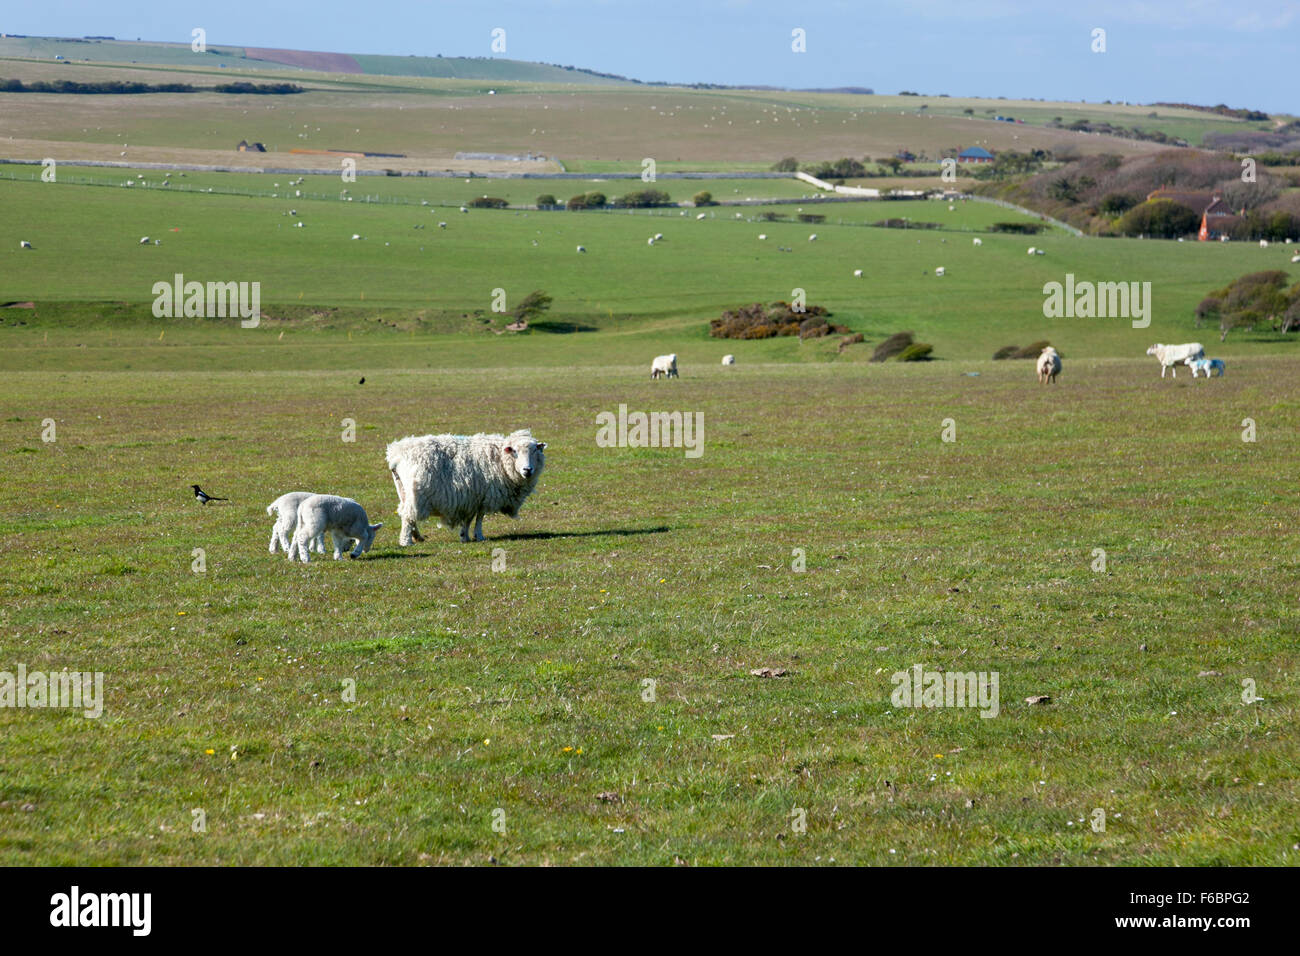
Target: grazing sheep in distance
column 1040, row 252
column 857, row 273
column 144, row 240
column 582, row 248
column 461, row 478
column 1263, row 243
column 664, row 365
column 977, row 241
column 762, row 235
column 1208, row 366
column 1049, row 366
column 813, row 237
column 658, row 236
column 285, row 508
column 343, row 518
column 1171, row 355
column 24, row 244
column 939, row 271
column 700, row 216
column 650, row 241
column 1295, row 258
column 728, row 360
column 1032, row 250
column 442, row 225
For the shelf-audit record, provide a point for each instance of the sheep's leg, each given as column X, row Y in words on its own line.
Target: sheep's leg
column 415, row 532
column 478, row 528
column 340, row 543
column 464, row 532
column 275, row 537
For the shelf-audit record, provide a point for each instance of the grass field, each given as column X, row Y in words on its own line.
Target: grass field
column 521, row 690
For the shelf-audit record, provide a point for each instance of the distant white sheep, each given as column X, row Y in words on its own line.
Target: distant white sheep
column 343, row 518
column 582, row 248
column 1263, row 243
column 728, row 360
column 939, row 271
column 286, row 510
column 813, row 237
column 658, row 236
column 978, row 241
column 461, row 478
column 144, row 240
column 1208, row 366
column 24, row 244
column 650, row 241
column 762, row 235
column 1032, row 250
column 1040, row 252
column 857, row 273
column 356, row 235
column 442, row 225
column 1171, row 356
column 1295, row 258
column 665, row 366
column 1049, row 366
column 700, row 216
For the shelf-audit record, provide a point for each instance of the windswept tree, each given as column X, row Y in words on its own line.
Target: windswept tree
column 1252, row 300
column 533, row 306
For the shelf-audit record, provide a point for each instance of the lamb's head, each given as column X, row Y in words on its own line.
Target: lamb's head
column 369, row 538
column 522, row 456
column 1155, row 349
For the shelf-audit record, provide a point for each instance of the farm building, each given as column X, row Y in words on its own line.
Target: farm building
column 974, row 154
column 1216, row 217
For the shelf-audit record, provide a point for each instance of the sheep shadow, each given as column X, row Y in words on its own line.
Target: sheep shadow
column 611, row 533
column 525, row 536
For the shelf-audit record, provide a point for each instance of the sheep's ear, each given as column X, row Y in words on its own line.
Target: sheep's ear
column 541, row 446
column 509, row 450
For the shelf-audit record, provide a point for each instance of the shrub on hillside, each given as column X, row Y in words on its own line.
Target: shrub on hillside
column 593, row 200
column 1251, row 300
column 545, row 200
column 703, row 198
column 488, row 202
column 1006, row 352
column 916, row 352
column 1019, row 228
column 1032, row 350
column 759, row 321
column 811, row 217
column 644, row 198
column 1160, row 219
column 892, row 346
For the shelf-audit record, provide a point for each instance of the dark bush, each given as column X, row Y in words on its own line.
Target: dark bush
column 848, row 340
column 759, row 321
column 811, row 217
column 488, row 202
column 546, row 199
column 892, row 346
column 1160, row 219
column 787, row 165
column 644, row 198
column 1020, row 228
column 1006, row 352
column 1031, row 351
column 703, row 198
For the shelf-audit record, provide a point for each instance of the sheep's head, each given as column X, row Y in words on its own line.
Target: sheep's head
column 523, row 454
column 1155, row 349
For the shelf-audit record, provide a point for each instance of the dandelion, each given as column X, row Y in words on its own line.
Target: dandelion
column 180, row 613
column 209, row 751
column 567, row 750
column 486, row 741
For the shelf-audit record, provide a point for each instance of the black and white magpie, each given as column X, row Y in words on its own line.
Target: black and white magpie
column 202, row 497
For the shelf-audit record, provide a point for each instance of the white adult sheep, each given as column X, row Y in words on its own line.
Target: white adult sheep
column 658, row 236
column 582, row 248
column 343, row 518
column 1263, row 243
column 813, row 237
column 978, row 241
column 650, row 241
column 24, row 244
column 1295, row 258
column 1171, row 356
column 461, row 478
column 664, row 365
column 1032, row 250
column 442, row 225
column 285, row 508
column 857, row 273
column 728, row 360
column 1049, row 366
column 762, row 235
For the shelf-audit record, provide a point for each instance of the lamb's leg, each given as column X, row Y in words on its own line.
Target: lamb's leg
column 340, row 543
column 478, row 528
column 275, row 537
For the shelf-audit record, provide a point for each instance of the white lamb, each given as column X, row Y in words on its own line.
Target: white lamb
column 1208, row 366
column 343, row 518
column 461, row 478
column 1171, row 356
column 977, row 241
column 665, row 366
column 728, row 360
column 1049, row 366
column 286, row 510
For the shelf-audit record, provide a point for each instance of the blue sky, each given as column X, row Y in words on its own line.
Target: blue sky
column 1242, row 52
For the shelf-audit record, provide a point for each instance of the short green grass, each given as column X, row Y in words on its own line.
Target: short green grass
column 517, row 696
